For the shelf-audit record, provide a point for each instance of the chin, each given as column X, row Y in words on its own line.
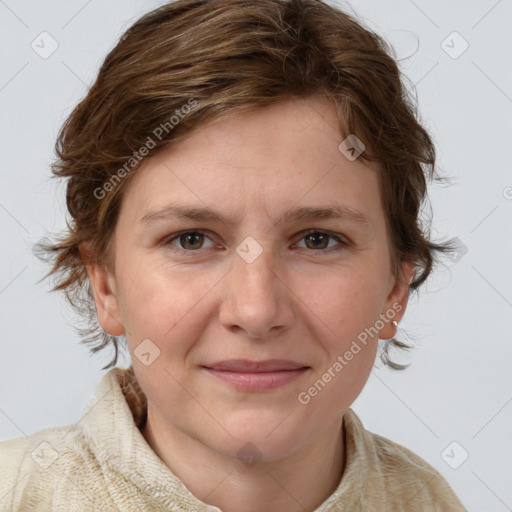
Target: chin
column 264, row 435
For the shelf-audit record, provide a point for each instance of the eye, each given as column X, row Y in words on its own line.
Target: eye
column 318, row 241
column 189, row 240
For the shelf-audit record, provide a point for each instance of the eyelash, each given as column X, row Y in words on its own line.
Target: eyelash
column 343, row 243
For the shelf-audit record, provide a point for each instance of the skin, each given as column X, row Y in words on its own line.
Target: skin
column 209, row 304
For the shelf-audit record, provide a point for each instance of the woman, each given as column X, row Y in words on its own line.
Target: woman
column 244, row 181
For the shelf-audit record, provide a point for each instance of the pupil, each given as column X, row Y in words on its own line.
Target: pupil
column 187, row 237
column 316, row 236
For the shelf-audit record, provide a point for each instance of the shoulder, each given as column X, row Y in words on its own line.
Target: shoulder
column 413, row 478
column 32, row 467
column 394, row 477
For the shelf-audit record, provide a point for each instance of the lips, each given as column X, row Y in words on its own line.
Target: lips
column 245, row 366
column 256, row 376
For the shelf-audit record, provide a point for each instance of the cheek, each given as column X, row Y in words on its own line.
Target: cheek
column 352, row 307
column 174, row 308
column 345, row 304
column 345, row 308
column 158, row 302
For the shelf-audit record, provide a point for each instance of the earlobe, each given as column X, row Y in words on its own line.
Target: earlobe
column 105, row 295
column 396, row 302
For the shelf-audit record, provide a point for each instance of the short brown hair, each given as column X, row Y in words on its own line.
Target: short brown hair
column 227, row 56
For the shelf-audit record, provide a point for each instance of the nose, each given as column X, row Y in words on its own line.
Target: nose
column 256, row 299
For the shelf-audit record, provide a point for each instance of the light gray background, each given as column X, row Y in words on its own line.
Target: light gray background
column 459, row 386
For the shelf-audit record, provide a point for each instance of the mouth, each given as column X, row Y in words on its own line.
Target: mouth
column 257, row 375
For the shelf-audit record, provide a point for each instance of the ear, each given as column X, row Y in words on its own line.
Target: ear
column 396, row 302
column 105, row 296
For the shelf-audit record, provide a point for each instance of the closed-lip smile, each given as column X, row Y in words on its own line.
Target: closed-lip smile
column 247, row 375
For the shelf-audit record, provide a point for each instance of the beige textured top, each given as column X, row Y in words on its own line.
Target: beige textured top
column 103, row 463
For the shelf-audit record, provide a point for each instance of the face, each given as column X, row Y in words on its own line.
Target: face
column 232, row 318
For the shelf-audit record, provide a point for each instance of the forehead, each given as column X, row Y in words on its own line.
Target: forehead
column 269, row 158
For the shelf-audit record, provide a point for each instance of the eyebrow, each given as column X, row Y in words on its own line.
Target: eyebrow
column 203, row 214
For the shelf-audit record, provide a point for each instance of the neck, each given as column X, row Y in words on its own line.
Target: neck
column 300, row 482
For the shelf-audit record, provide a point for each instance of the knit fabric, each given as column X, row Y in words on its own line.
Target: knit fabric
column 103, row 463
